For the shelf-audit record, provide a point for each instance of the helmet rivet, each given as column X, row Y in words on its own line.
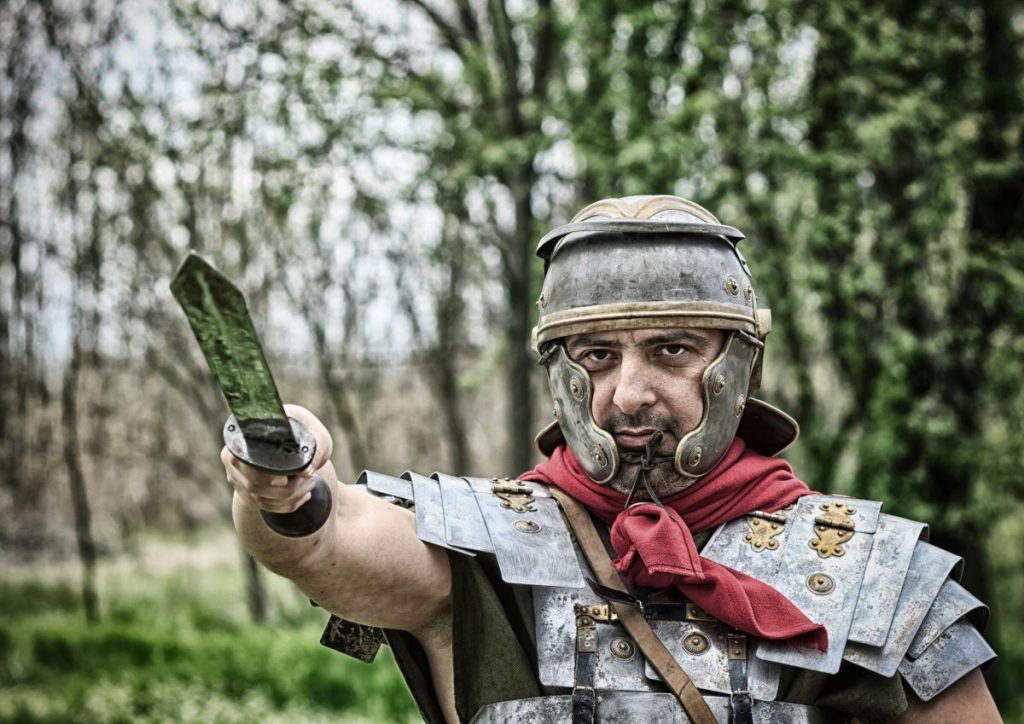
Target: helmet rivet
column 576, row 388
column 748, row 291
column 540, row 301
column 599, row 456
column 557, row 412
column 732, row 286
column 741, row 405
column 719, row 384
column 694, row 459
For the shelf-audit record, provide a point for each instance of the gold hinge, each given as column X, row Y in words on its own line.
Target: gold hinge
column 763, row 532
column 514, row 495
column 833, row 529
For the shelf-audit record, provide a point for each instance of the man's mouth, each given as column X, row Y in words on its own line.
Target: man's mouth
column 633, row 438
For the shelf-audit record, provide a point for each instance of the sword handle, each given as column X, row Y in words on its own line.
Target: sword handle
column 308, row 519
column 277, row 459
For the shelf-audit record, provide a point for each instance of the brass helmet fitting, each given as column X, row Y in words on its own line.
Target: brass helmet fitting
column 654, row 261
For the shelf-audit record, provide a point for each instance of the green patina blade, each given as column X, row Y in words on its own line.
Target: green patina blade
column 220, row 320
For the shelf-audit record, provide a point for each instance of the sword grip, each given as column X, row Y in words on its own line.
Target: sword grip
column 310, row 516
column 271, row 456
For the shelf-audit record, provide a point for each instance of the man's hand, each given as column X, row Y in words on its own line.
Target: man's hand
column 279, row 493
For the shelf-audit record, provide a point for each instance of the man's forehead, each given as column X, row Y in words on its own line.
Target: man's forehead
column 622, row 337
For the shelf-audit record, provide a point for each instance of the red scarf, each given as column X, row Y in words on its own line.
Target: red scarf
column 656, row 549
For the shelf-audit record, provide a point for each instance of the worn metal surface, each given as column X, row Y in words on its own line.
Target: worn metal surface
column 219, row 318
column 951, row 604
column 464, row 525
column 700, row 450
column 958, row 650
column 710, row 670
column 929, row 568
column 429, row 510
column 634, row 707
column 643, row 280
column 386, row 485
column 543, row 558
column 259, row 433
column 886, row 571
column 730, row 547
column 800, row 561
column 572, row 392
column 556, row 646
column 355, row 639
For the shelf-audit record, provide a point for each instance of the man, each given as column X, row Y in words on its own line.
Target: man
column 709, row 556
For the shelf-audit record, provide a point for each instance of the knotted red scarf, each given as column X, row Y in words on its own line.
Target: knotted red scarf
column 656, row 548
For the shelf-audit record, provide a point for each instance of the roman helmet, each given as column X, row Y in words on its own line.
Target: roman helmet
column 645, row 262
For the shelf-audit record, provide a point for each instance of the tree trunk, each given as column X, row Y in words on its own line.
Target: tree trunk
column 445, row 357
column 76, row 479
column 519, row 361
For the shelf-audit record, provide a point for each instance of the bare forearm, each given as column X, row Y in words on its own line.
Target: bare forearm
column 280, row 554
column 365, row 564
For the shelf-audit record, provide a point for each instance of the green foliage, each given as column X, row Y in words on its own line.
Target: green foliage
column 158, row 654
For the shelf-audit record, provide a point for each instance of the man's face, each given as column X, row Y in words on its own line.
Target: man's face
column 646, row 380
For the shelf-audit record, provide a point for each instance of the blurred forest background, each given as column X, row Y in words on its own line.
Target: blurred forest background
column 375, row 174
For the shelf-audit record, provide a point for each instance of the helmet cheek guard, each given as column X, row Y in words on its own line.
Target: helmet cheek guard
column 573, row 393
column 725, row 386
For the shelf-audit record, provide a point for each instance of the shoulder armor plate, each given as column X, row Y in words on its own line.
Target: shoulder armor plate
column 929, row 568
column 957, row 651
column 386, row 486
column 953, row 603
column 816, row 556
column 519, row 522
column 886, row 572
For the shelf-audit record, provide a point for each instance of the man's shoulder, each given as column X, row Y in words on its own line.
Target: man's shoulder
column 890, row 600
column 518, row 522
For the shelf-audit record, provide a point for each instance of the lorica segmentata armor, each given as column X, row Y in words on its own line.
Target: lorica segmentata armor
column 890, row 601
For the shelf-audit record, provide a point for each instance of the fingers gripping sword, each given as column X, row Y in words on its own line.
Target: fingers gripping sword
column 258, row 432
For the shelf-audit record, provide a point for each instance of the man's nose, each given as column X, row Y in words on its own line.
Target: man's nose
column 634, row 389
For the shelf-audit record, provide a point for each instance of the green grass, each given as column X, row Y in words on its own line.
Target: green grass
column 175, row 644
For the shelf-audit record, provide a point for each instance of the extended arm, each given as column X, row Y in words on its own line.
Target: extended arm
column 365, row 564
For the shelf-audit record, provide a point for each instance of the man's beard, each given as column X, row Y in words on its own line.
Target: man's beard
column 663, row 478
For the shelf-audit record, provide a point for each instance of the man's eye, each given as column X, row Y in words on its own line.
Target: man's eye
column 598, row 355
column 673, row 350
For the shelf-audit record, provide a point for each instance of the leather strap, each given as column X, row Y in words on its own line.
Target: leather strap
column 661, row 659
column 739, row 699
column 584, row 696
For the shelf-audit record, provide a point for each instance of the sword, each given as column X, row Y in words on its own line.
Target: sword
column 258, row 432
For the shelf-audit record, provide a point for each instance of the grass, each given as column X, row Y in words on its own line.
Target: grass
column 175, row 644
